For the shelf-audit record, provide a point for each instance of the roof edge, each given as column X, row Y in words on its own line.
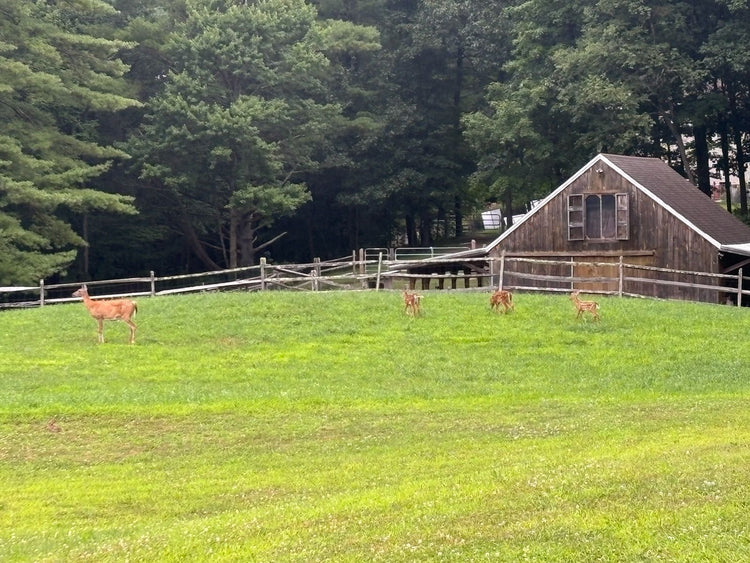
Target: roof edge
column 661, row 202
column 544, row 201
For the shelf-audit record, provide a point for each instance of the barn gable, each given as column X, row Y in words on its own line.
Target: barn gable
column 666, row 188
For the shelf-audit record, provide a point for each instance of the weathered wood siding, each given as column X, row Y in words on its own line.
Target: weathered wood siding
column 656, row 238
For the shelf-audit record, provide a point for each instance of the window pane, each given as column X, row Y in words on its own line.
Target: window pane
column 623, row 218
column 593, row 217
column 608, row 216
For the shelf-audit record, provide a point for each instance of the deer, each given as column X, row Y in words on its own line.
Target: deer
column 110, row 310
column 501, row 297
column 585, row 306
column 411, row 303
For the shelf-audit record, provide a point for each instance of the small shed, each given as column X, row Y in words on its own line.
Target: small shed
column 633, row 209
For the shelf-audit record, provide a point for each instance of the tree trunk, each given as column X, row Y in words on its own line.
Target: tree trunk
column 701, row 157
column 233, row 226
column 509, row 205
column 247, row 243
column 459, row 218
column 411, row 231
column 425, row 232
column 680, row 144
column 195, row 243
column 741, row 170
column 723, row 135
column 86, row 247
column 740, row 154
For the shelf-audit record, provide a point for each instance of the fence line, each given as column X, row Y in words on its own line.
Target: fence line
column 348, row 273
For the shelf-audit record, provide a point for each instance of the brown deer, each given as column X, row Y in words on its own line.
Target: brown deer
column 585, row 306
column 501, row 297
column 112, row 310
column 411, row 303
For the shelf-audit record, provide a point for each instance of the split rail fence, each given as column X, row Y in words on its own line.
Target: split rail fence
column 374, row 272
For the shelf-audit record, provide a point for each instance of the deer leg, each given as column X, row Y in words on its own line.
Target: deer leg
column 100, row 324
column 132, row 326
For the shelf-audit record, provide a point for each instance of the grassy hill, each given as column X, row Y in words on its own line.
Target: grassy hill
column 331, row 427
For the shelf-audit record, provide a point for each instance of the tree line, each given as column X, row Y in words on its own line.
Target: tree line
column 188, row 135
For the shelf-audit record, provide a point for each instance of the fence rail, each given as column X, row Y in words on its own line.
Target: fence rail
column 350, row 273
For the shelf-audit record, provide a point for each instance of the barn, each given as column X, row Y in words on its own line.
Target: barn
column 627, row 225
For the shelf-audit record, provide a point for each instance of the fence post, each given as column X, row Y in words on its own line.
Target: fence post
column 501, row 281
column 316, row 274
column 620, row 283
column 572, row 273
column 739, row 288
column 263, row 273
column 377, row 277
column 41, row 293
column 354, row 262
column 362, row 261
column 153, row 284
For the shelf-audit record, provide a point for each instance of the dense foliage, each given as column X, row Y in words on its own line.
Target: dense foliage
column 183, row 135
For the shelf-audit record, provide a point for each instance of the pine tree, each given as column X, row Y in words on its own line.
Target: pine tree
column 57, row 73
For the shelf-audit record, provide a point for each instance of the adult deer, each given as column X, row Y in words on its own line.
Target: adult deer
column 111, row 310
column 411, row 303
column 501, row 298
column 585, row 306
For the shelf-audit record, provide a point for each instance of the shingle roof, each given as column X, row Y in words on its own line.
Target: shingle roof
column 673, row 191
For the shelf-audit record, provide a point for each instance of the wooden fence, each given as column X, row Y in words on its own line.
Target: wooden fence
column 351, row 273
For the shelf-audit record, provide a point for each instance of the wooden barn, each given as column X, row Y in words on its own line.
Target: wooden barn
column 625, row 210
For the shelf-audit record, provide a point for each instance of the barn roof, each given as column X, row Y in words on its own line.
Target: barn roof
column 665, row 185
column 668, row 188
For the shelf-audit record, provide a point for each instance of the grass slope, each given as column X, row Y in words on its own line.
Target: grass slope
column 330, row 427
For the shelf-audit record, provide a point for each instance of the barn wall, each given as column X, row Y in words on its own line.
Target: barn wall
column 656, row 238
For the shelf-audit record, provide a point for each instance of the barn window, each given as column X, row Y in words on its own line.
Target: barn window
column 575, row 217
column 598, row 217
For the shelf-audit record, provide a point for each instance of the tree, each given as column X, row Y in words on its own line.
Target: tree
column 58, row 74
column 726, row 57
column 508, row 145
column 522, row 135
column 243, row 117
column 440, row 54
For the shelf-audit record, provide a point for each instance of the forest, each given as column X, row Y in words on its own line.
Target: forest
column 192, row 135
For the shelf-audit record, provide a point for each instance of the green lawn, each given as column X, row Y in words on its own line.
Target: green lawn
column 329, row 426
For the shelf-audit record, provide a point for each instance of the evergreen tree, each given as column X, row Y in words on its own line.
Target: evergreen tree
column 57, row 74
column 243, row 117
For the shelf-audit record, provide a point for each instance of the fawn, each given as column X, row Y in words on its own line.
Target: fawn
column 581, row 306
column 411, row 303
column 113, row 310
column 504, row 298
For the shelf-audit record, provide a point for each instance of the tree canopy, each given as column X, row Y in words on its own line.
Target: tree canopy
column 194, row 134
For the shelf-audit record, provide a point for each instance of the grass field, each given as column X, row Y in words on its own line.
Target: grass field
column 331, row 427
